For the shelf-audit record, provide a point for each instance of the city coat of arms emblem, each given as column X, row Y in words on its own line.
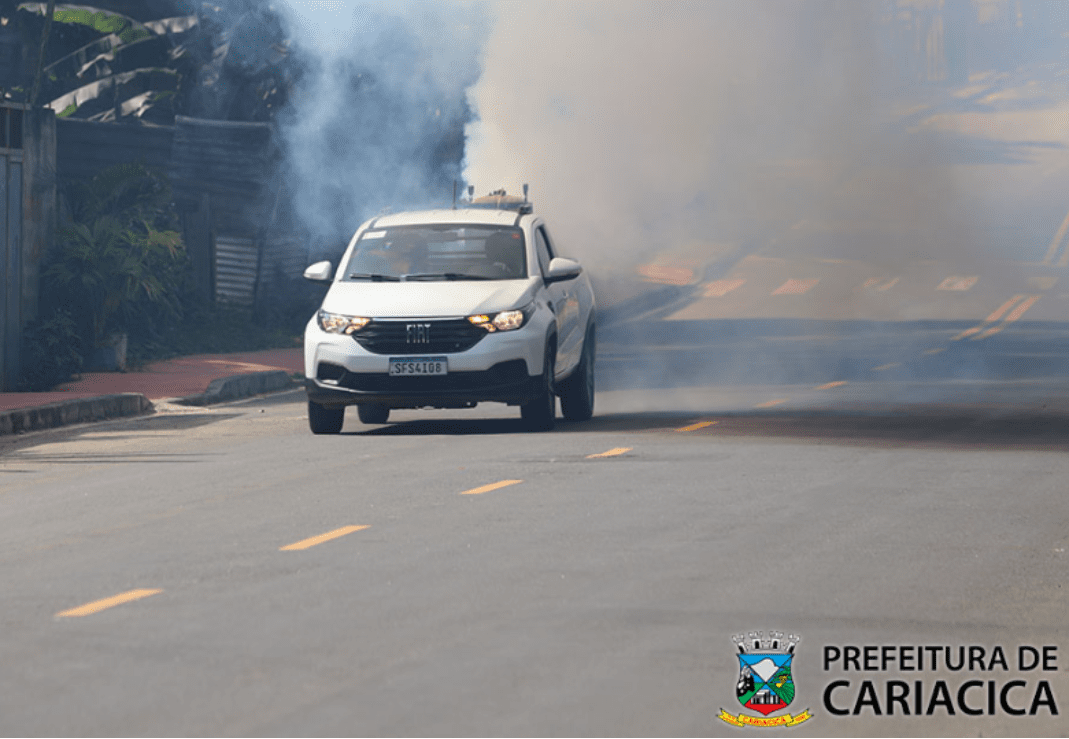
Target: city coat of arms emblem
column 766, row 683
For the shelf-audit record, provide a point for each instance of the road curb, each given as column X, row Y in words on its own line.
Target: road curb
column 68, row 412
column 237, row 387
column 120, row 405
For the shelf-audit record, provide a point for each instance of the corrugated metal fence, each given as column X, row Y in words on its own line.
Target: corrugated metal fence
column 84, row 148
column 246, row 269
column 237, row 269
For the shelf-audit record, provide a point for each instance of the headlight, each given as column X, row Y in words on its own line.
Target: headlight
column 335, row 323
column 506, row 320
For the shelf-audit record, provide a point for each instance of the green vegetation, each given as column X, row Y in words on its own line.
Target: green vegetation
column 51, row 351
column 121, row 264
column 783, row 684
column 120, row 267
column 118, row 264
column 107, row 57
column 115, row 270
column 99, row 21
column 214, row 329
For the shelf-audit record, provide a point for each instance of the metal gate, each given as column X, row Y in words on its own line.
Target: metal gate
column 11, row 182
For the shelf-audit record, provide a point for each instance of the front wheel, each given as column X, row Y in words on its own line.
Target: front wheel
column 541, row 413
column 577, row 392
column 373, row 412
column 324, row 420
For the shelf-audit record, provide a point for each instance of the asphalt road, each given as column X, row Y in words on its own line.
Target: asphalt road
column 588, row 595
column 850, row 426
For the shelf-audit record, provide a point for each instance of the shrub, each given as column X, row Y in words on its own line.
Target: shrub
column 120, row 265
column 51, row 352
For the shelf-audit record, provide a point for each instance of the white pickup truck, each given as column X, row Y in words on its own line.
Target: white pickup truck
column 447, row 309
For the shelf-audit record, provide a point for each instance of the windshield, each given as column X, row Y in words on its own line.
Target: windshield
column 446, row 252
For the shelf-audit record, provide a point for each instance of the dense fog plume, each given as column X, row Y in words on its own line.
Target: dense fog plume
column 644, row 126
column 376, row 119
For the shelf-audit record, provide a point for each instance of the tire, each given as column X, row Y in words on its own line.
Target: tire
column 577, row 392
column 373, row 412
column 540, row 414
column 324, row 420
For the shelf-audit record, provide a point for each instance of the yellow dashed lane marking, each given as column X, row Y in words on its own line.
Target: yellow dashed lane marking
column 699, row 425
column 1020, row 310
column 99, row 605
column 995, row 316
column 1056, row 242
column 611, row 453
column 795, row 287
column 771, row 403
column 491, row 486
column 956, row 282
column 720, row 288
column 1014, row 315
column 881, row 285
column 311, row 542
column 666, row 275
column 830, row 385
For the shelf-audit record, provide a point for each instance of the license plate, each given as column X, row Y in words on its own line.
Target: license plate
column 419, row 366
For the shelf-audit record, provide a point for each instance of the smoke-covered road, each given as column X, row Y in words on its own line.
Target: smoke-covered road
column 927, row 273
column 225, row 572
column 929, row 333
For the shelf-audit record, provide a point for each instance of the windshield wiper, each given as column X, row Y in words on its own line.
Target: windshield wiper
column 373, row 278
column 428, row 276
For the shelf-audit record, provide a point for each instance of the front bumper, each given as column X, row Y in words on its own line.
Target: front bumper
column 504, row 367
column 506, row 382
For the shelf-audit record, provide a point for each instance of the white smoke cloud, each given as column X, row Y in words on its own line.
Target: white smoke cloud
column 381, row 92
column 642, row 125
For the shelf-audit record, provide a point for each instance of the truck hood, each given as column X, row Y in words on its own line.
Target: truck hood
column 428, row 299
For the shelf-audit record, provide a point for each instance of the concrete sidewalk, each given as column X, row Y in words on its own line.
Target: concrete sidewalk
column 196, row 380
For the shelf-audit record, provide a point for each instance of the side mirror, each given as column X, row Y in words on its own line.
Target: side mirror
column 319, row 272
column 561, row 269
